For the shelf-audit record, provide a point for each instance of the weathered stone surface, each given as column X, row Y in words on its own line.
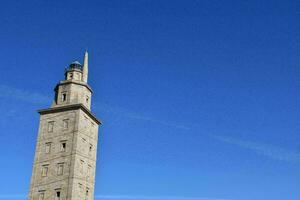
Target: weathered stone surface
column 65, row 157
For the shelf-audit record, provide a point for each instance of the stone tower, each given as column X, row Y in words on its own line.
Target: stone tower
column 65, row 156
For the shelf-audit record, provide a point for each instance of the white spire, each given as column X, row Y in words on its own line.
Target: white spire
column 85, row 66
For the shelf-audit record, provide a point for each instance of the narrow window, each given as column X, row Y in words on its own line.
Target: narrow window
column 87, row 193
column 41, row 195
column 88, row 173
column 60, row 168
column 48, row 147
column 63, row 146
column 90, row 149
column 87, row 98
column 57, row 195
column 50, row 126
column 65, row 124
column 81, row 166
column 80, row 190
column 83, row 146
column 63, row 97
column 45, row 170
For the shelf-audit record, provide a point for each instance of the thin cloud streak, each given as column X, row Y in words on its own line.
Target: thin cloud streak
column 23, row 95
column 36, row 98
column 273, row 152
column 131, row 115
column 138, row 117
column 12, row 196
column 270, row 151
column 132, row 197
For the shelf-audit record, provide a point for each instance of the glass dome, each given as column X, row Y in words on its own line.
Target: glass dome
column 75, row 65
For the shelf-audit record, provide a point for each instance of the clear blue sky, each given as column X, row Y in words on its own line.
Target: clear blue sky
column 199, row 99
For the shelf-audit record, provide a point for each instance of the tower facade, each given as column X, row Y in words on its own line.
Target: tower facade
column 65, row 156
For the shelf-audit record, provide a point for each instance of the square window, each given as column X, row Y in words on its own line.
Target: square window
column 45, row 170
column 63, row 146
column 50, row 126
column 48, row 147
column 65, row 123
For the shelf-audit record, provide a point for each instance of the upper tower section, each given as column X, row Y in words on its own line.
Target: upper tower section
column 74, row 89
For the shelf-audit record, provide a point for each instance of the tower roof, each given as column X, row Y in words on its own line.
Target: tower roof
column 75, row 65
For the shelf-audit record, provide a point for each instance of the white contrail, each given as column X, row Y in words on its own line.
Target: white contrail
column 273, row 152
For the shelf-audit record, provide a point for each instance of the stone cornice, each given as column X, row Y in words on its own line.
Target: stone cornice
column 64, row 82
column 70, row 107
